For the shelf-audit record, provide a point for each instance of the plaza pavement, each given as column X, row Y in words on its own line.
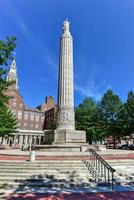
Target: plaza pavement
column 108, row 154
column 75, row 196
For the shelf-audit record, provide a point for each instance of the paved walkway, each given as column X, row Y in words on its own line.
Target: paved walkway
column 49, row 153
column 74, row 196
column 18, row 152
column 110, row 154
column 108, row 157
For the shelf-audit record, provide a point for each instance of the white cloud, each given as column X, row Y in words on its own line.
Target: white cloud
column 90, row 89
column 39, row 49
column 87, row 79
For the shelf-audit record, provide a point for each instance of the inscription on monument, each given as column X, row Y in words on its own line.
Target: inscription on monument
column 60, row 136
column 75, row 136
column 66, row 115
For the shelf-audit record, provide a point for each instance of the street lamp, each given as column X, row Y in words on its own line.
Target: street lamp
column 31, row 152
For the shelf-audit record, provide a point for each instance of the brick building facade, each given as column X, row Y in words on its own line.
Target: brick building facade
column 31, row 121
column 50, row 119
column 28, row 118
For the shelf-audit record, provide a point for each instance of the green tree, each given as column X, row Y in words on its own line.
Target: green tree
column 127, row 117
column 6, row 49
column 8, row 123
column 110, row 107
column 87, row 118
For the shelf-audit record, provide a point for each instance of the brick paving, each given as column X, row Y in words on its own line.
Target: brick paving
column 74, row 196
column 106, row 157
column 6, row 157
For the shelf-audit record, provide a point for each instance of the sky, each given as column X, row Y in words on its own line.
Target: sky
column 103, row 35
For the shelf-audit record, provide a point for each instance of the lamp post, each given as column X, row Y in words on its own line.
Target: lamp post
column 31, row 152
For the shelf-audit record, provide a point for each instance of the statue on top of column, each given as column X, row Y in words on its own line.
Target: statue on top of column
column 66, row 25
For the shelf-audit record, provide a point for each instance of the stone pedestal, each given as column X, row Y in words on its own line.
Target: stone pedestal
column 72, row 140
column 69, row 136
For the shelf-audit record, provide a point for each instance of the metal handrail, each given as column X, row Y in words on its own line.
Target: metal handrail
column 99, row 168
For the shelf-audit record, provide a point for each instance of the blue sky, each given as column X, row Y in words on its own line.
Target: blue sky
column 103, row 32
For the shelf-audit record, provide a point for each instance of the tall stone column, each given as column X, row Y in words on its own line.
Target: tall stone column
column 65, row 85
column 36, row 140
column 21, row 141
column 65, row 131
column 39, row 140
column 26, row 140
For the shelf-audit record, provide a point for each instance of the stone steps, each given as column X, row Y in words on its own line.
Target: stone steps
column 16, row 175
column 73, row 173
column 45, row 177
column 123, row 162
column 40, row 162
column 46, row 174
column 34, row 184
column 49, row 184
column 42, row 168
column 124, row 174
column 43, row 164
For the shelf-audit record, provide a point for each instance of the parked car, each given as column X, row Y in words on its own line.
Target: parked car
column 127, row 146
column 124, row 146
column 131, row 146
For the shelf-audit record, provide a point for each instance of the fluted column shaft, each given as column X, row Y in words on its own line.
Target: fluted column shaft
column 65, row 85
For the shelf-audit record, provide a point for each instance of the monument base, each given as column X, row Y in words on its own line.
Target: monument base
column 63, row 148
column 64, row 140
column 72, row 140
column 69, row 136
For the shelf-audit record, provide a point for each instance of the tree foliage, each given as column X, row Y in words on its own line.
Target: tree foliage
column 128, row 114
column 6, row 49
column 8, row 123
column 110, row 106
column 87, row 118
column 108, row 117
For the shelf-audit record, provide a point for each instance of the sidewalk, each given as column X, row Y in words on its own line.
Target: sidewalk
column 108, row 154
column 74, row 196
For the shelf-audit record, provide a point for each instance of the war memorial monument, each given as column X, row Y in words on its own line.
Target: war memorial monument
column 65, row 136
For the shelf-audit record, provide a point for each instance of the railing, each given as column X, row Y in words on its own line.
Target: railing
column 101, row 171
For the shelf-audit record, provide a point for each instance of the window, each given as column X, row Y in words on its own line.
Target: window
column 32, row 117
column 36, row 126
column 19, row 114
column 26, row 115
column 37, row 117
column 14, row 104
column 31, row 125
column 25, row 124
column 20, row 106
column 42, row 119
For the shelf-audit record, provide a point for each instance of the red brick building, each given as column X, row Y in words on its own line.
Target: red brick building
column 31, row 121
column 50, row 119
column 28, row 118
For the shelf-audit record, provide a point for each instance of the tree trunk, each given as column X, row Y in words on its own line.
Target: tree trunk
column 114, row 141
